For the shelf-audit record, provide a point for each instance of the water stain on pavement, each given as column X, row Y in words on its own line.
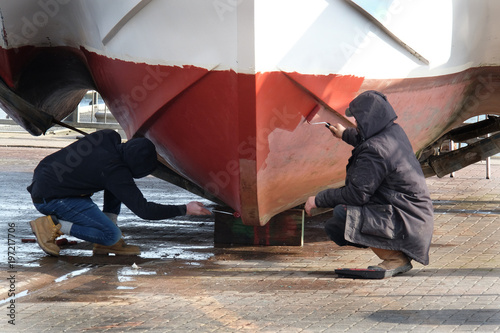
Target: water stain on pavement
column 179, row 246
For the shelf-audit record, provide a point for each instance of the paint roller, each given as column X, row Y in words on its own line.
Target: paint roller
column 313, row 113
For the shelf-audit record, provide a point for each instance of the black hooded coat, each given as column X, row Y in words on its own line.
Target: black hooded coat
column 100, row 161
column 387, row 199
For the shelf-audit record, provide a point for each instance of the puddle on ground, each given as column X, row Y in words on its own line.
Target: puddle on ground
column 122, row 278
column 182, row 242
column 183, row 253
column 17, row 295
column 72, row 274
column 126, row 274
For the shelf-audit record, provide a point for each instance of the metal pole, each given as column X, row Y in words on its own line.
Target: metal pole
column 452, row 147
column 488, row 164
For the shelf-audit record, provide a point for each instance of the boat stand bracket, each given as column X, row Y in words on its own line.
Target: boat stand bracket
column 284, row 229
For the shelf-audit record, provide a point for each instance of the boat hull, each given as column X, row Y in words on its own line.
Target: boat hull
column 226, row 107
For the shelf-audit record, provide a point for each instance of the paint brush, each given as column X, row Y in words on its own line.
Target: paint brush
column 235, row 214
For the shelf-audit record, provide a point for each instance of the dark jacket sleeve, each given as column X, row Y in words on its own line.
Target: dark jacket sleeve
column 121, row 184
column 351, row 136
column 363, row 178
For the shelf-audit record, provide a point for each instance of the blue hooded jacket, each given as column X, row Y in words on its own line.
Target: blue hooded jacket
column 100, row 161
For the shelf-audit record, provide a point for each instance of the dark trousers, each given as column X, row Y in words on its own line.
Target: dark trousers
column 335, row 227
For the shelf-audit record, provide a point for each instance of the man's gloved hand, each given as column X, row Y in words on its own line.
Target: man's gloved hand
column 196, row 208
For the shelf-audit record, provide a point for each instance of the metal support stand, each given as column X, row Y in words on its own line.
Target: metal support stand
column 488, row 164
column 284, row 229
column 452, row 147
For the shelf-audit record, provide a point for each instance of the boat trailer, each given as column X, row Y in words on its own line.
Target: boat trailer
column 482, row 139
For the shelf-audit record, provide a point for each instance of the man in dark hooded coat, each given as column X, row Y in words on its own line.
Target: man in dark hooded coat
column 385, row 203
column 64, row 182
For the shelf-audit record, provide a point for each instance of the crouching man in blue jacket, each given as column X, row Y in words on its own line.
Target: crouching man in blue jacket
column 64, row 182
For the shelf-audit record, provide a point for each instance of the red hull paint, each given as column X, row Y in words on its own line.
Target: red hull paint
column 244, row 137
column 241, row 137
column 203, row 123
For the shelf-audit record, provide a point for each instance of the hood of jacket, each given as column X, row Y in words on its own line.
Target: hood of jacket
column 139, row 155
column 372, row 112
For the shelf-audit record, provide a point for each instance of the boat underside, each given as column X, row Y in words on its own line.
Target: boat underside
column 224, row 91
column 242, row 138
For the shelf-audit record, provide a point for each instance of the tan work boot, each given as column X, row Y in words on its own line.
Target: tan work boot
column 46, row 233
column 120, row 248
column 394, row 262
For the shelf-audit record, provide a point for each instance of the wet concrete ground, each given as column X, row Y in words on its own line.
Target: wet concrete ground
column 183, row 283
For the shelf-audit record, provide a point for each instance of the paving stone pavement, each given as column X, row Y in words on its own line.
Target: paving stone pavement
column 199, row 287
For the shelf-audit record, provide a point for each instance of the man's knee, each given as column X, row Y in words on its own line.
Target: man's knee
column 338, row 221
column 112, row 238
column 334, row 228
column 340, row 212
